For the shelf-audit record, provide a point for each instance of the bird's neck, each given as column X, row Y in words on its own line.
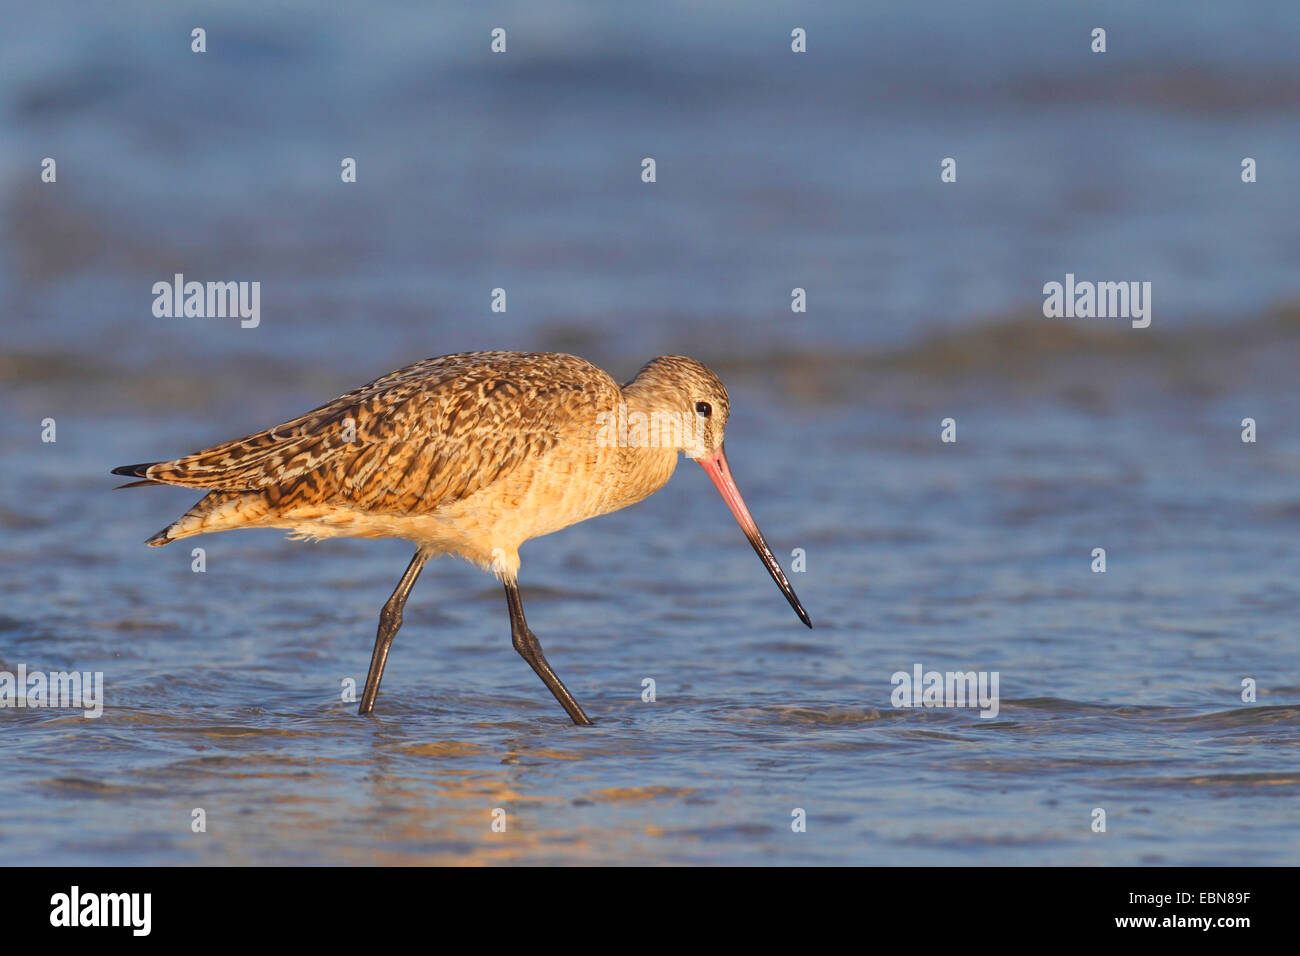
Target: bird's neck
column 652, row 417
column 648, row 439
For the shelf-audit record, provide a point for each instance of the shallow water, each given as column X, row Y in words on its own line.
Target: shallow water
column 223, row 689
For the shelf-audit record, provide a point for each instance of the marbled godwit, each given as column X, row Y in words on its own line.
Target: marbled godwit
column 469, row 454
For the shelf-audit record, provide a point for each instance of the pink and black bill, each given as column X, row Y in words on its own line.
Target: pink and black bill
column 716, row 466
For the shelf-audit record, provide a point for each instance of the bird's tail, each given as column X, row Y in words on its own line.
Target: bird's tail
column 137, row 471
column 215, row 511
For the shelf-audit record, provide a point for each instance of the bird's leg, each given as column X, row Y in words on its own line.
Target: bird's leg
column 530, row 649
column 390, row 619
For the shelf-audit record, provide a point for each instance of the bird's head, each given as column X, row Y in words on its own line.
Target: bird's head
column 674, row 386
column 687, row 404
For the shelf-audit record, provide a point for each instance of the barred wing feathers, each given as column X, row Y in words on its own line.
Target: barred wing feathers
column 421, row 436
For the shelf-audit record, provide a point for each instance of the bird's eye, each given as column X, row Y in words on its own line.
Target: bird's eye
column 704, row 408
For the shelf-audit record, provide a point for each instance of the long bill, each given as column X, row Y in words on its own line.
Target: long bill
column 715, row 464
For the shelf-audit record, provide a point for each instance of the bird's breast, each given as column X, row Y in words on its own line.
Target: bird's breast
column 563, row 488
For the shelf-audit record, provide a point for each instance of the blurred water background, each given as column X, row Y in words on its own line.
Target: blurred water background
column 522, row 171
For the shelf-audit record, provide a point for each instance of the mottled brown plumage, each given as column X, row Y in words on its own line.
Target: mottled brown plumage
column 469, row 454
column 445, row 452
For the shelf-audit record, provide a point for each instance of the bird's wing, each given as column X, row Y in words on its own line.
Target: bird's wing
column 421, row 436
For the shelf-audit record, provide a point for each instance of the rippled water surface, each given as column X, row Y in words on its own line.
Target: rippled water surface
column 1120, row 691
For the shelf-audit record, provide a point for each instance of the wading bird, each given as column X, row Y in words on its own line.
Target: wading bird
column 469, row 454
